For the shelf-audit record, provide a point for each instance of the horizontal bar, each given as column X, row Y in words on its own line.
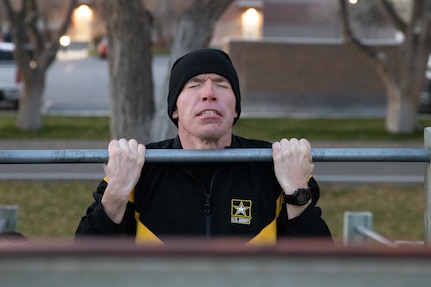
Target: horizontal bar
column 225, row 155
column 375, row 236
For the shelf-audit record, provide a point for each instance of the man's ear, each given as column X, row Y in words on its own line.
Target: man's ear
column 175, row 114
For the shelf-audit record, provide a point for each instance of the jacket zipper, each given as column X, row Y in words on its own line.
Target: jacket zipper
column 207, row 204
column 207, row 208
column 207, row 212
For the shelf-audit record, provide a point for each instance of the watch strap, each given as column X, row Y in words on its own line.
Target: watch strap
column 299, row 197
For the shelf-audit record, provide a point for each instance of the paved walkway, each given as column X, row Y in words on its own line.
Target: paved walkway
column 103, row 144
column 52, row 144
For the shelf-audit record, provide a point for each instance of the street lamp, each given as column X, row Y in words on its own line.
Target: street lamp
column 251, row 24
column 82, row 18
column 64, row 41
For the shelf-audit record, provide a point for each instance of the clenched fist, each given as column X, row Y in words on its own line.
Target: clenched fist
column 123, row 169
column 293, row 163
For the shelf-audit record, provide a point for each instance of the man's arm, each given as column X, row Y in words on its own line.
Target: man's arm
column 110, row 212
column 97, row 223
column 293, row 166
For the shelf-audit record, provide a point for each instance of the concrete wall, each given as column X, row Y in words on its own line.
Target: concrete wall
column 227, row 263
column 286, row 78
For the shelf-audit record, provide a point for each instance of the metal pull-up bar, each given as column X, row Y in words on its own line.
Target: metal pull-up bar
column 225, row 155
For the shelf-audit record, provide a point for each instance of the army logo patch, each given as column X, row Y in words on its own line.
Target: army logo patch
column 240, row 211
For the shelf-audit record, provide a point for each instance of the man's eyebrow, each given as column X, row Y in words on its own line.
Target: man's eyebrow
column 220, row 79
column 197, row 78
column 215, row 78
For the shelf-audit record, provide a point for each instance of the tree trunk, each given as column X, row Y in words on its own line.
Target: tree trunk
column 30, row 104
column 24, row 27
column 130, row 72
column 403, row 82
column 194, row 30
column 401, row 111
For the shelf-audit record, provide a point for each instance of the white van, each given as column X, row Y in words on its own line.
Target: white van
column 10, row 80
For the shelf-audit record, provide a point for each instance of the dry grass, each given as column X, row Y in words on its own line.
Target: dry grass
column 52, row 209
column 398, row 209
column 48, row 209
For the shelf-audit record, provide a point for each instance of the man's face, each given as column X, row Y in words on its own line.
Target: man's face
column 206, row 107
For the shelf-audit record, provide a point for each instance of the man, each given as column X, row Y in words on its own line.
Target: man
column 255, row 201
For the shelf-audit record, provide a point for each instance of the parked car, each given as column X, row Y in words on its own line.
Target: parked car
column 10, row 80
column 102, row 48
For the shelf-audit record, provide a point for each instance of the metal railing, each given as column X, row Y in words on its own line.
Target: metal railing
column 358, row 230
column 8, row 218
column 225, row 155
column 244, row 155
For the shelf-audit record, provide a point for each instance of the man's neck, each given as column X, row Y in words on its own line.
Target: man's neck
column 199, row 143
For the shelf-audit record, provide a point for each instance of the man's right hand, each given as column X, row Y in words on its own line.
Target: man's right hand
column 123, row 169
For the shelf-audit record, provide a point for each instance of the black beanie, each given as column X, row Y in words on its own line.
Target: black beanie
column 197, row 62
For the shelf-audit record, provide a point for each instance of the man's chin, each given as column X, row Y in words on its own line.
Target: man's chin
column 214, row 131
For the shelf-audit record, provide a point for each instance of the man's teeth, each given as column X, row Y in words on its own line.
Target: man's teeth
column 209, row 113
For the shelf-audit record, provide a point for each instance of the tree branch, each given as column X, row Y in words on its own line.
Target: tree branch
column 205, row 14
column 30, row 22
column 350, row 37
column 394, row 16
column 53, row 45
column 65, row 24
column 8, row 7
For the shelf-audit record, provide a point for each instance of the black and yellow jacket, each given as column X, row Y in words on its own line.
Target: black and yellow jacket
column 210, row 200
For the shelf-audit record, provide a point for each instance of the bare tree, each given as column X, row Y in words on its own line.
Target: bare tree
column 402, row 75
column 130, row 72
column 194, row 29
column 33, row 66
column 165, row 13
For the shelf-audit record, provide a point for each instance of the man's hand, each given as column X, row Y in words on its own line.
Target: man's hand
column 123, row 169
column 293, row 166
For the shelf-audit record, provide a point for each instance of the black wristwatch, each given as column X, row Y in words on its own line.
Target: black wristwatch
column 300, row 197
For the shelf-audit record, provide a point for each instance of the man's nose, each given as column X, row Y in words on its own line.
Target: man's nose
column 208, row 92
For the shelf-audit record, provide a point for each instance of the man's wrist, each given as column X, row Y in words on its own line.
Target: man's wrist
column 292, row 188
column 299, row 197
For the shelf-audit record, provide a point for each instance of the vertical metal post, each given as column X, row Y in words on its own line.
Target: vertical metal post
column 427, row 190
column 353, row 220
column 8, row 218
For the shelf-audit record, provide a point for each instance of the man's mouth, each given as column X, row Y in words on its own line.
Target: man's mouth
column 209, row 113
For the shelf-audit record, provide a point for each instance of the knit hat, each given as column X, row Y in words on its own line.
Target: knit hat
column 201, row 62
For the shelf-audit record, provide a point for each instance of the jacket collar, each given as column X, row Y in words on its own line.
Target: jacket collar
column 176, row 143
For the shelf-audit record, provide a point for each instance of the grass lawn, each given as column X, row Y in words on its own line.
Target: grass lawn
column 58, row 128
column 370, row 129
column 52, row 209
column 398, row 209
column 48, row 209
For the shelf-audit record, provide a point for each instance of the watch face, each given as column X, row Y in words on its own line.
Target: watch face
column 303, row 195
column 300, row 197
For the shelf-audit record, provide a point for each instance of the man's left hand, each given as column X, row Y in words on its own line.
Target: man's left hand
column 293, row 163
